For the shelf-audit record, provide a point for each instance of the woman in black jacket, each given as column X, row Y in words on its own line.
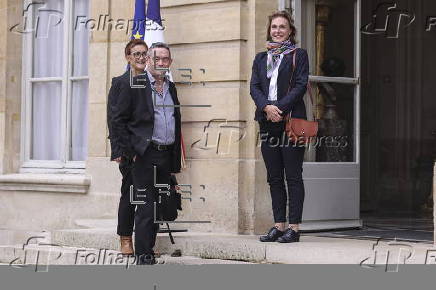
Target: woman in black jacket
column 277, row 94
column 135, row 53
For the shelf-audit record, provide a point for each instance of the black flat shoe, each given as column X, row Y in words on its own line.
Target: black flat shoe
column 272, row 236
column 289, row 236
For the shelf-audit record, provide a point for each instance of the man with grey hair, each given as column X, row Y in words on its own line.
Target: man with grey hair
column 148, row 125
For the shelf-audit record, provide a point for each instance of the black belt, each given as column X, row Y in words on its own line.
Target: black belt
column 160, row 147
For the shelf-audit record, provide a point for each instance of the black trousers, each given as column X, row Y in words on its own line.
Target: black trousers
column 143, row 175
column 126, row 210
column 283, row 158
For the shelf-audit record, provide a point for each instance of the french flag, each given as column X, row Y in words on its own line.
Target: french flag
column 139, row 19
column 154, row 28
column 148, row 26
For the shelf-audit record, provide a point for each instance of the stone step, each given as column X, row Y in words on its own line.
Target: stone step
column 311, row 249
column 101, row 234
column 108, row 223
column 11, row 237
column 42, row 256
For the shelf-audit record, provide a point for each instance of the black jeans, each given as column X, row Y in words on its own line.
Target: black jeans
column 145, row 191
column 126, row 210
column 283, row 157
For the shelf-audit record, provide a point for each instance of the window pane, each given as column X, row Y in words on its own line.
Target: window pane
column 335, row 140
column 79, row 121
column 46, row 121
column 48, row 39
column 334, row 35
column 80, row 38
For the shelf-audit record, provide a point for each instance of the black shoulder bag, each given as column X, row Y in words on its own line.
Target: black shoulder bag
column 169, row 201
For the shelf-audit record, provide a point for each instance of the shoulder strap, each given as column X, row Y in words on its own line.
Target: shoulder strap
column 309, row 89
column 170, row 234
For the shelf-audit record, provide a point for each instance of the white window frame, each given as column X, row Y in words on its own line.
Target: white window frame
column 49, row 166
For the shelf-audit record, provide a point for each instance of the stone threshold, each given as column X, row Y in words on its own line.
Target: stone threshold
column 310, row 250
column 41, row 257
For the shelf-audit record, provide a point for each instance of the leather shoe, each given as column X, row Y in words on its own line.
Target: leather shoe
column 272, row 235
column 146, row 259
column 290, row 236
column 126, row 245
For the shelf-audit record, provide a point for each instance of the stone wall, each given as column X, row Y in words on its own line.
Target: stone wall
column 10, row 86
column 217, row 40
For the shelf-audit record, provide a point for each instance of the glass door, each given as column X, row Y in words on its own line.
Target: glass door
column 329, row 30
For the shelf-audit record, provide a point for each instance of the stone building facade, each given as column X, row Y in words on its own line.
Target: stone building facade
column 216, row 41
column 213, row 44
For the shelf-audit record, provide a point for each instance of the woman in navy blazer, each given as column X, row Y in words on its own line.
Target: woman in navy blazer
column 276, row 94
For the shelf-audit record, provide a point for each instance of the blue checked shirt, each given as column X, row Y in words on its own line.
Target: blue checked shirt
column 164, row 122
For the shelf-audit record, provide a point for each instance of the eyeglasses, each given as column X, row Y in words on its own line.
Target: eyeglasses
column 138, row 54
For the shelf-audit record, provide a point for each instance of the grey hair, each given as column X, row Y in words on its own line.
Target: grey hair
column 158, row 45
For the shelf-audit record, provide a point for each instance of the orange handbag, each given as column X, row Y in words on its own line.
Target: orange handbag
column 297, row 129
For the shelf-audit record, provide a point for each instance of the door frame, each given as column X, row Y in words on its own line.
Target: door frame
column 332, row 188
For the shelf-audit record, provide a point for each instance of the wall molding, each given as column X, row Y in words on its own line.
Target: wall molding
column 62, row 183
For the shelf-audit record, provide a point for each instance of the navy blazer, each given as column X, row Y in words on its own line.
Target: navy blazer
column 133, row 119
column 287, row 101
